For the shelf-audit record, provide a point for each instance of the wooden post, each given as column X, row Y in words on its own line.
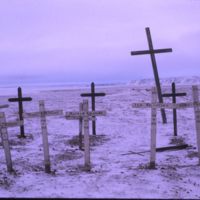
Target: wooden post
column 93, row 108
column 153, row 131
column 86, row 136
column 45, row 137
column 197, row 117
column 80, row 126
column 5, row 142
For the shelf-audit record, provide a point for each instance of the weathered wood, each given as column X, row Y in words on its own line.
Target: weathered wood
column 195, row 93
column 48, row 113
column 5, row 142
column 174, row 95
column 161, row 149
column 4, row 106
column 135, row 53
column 86, row 137
column 44, row 137
column 166, row 105
column 93, row 95
column 152, row 52
column 20, row 101
column 153, row 131
column 80, row 127
column 177, row 147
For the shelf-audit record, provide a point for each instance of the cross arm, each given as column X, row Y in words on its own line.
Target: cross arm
column 95, row 94
column 20, row 99
column 4, row 106
column 166, row 105
column 12, row 124
column 176, row 94
column 134, row 53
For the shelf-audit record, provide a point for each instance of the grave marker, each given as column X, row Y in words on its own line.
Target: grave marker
column 4, row 137
column 93, row 95
column 174, row 95
column 152, row 52
column 42, row 114
column 20, row 101
column 85, row 116
column 153, row 106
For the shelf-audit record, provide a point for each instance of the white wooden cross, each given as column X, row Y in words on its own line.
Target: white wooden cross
column 42, row 114
column 85, row 115
column 4, row 137
column 154, row 106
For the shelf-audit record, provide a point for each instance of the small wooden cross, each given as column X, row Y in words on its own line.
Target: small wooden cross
column 93, row 95
column 42, row 114
column 154, row 105
column 152, row 52
column 174, row 95
column 20, row 101
column 85, row 115
column 4, row 137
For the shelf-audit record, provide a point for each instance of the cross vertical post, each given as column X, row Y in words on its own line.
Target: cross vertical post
column 93, row 108
column 80, row 127
column 5, row 142
column 152, row 52
column 44, row 137
column 20, row 100
column 195, row 94
column 86, row 136
column 153, row 131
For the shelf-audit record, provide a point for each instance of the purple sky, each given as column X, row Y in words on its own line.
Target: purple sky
column 91, row 40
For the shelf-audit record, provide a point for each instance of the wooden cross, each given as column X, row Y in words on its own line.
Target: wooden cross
column 174, row 95
column 20, row 100
column 152, row 52
column 4, row 137
column 93, row 95
column 42, row 114
column 154, row 105
column 85, row 115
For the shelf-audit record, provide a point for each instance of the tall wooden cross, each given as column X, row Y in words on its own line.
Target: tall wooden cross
column 20, row 101
column 174, row 95
column 4, row 137
column 154, row 106
column 152, row 52
column 93, row 95
column 85, row 115
column 42, row 114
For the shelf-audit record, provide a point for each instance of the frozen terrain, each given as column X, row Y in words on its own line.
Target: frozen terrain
column 118, row 171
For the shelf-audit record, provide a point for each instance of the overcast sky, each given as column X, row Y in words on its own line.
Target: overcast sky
column 91, row 40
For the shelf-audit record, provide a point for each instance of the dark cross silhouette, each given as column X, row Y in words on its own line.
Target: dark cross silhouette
column 174, row 95
column 20, row 100
column 152, row 52
column 93, row 95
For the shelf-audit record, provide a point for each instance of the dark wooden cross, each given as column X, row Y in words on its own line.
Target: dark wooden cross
column 93, row 95
column 20, row 100
column 152, row 52
column 174, row 95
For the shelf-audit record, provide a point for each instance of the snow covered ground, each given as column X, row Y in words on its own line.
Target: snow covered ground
column 116, row 173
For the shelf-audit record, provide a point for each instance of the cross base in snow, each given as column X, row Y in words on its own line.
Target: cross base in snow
column 154, row 106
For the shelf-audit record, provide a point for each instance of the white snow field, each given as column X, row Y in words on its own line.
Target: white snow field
column 118, row 171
